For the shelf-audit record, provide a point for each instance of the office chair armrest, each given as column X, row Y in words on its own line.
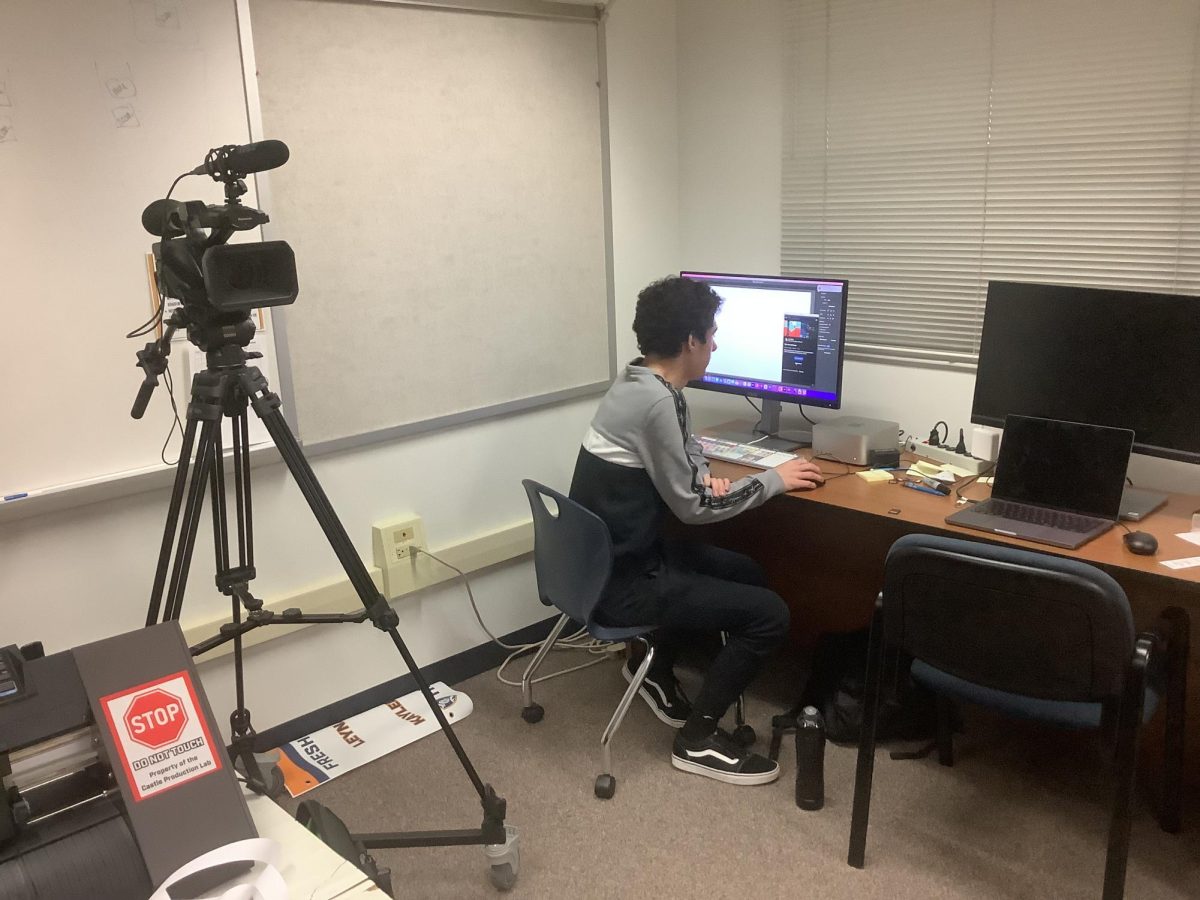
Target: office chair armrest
column 1170, row 637
column 1169, row 642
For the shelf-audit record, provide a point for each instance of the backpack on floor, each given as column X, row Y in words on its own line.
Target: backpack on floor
column 907, row 710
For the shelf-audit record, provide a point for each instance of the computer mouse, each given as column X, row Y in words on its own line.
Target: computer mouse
column 1141, row 542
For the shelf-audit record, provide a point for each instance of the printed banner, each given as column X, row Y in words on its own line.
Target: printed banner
column 161, row 736
column 323, row 755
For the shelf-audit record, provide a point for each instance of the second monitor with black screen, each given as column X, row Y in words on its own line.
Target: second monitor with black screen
column 778, row 339
column 1125, row 359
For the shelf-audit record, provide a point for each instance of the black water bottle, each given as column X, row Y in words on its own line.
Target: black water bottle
column 810, row 759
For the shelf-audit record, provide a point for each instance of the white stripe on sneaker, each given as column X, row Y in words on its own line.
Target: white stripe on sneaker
column 651, row 702
column 698, row 754
column 662, row 695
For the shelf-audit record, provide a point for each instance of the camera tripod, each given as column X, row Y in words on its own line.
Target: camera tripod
column 224, row 389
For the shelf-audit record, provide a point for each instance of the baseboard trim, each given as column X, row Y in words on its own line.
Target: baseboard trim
column 450, row 670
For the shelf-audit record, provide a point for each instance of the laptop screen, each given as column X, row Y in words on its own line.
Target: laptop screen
column 1065, row 465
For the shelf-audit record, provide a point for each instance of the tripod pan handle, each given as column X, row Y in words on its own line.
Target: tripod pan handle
column 143, row 396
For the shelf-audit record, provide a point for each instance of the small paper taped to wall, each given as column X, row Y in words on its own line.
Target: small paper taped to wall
column 874, row 475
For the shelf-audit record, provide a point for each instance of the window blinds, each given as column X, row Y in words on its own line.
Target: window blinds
column 932, row 146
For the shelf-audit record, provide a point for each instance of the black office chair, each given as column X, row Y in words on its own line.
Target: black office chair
column 572, row 559
column 1035, row 636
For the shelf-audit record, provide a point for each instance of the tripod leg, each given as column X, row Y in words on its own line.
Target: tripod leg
column 168, row 541
column 266, row 405
column 220, row 514
column 191, row 520
column 233, row 577
column 235, row 582
column 203, row 407
column 241, row 473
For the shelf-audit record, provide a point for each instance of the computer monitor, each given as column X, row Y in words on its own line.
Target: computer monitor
column 1126, row 359
column 779, row 339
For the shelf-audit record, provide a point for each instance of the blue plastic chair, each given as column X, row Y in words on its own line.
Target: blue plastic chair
column 572, row 559
column 1031, row 635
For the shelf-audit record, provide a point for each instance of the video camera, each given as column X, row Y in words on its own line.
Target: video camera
column 196, row 265
column 217, row 283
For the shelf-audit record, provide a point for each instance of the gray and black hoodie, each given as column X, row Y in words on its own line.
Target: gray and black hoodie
column 639, row 459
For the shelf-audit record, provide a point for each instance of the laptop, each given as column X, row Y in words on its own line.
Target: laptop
column 1056, row 483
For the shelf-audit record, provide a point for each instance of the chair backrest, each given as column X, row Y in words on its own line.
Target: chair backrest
column 572, row 552
column 1029, row 623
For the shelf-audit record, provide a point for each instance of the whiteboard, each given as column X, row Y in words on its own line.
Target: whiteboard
column 446, row 201
column 471, row 278
column 102, row 104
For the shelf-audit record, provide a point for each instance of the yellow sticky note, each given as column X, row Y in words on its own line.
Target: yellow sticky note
column 874, row 475
column 926, row 468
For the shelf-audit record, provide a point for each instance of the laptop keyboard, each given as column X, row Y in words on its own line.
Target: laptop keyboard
column 1036, row 515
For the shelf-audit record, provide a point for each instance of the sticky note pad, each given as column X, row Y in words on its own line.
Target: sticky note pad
column 874, row 475
column 926, row 468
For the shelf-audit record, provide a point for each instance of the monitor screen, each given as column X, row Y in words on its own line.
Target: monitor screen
column 778, row 338
column 1120, row 358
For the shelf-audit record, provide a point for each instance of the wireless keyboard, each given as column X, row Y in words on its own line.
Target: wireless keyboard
column 743, row 454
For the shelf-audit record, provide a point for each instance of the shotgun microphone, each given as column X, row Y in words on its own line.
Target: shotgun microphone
column 236, row 160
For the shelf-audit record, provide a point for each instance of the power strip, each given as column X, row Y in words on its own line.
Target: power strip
column 946, row 455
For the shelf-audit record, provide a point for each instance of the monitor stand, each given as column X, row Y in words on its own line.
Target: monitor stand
column 766, row 433
column 1136, row 504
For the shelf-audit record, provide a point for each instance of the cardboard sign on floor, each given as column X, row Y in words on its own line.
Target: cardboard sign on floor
column 312, row 760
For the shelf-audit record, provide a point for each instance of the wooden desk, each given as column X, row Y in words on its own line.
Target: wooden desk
column 824, row 552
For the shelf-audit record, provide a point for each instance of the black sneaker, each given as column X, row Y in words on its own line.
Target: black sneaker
column 719, row 756
column 664, row 696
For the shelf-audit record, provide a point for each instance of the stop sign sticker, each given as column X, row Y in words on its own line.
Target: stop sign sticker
column 155, row 718
column 161, row 736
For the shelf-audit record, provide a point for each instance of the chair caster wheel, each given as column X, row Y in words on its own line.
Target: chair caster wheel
column 606, row 786
column 533, row 714
column 744, row 736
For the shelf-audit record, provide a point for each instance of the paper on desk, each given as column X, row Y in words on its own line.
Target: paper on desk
column 944, row 476
column 944, row 472
column 957, row 471
column 1193, row 536
column 1187, row 562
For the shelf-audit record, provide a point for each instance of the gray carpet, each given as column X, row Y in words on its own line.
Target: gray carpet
column 1022, row 814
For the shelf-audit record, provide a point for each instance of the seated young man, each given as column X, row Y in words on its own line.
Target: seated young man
column 638, row 461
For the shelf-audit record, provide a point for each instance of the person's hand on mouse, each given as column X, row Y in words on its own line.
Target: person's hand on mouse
column 718, row 486
column 800, row 475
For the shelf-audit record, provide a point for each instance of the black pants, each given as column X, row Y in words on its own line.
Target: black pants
column 699, row 588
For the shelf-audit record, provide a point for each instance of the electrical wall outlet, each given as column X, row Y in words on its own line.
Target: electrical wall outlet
column 394, row 539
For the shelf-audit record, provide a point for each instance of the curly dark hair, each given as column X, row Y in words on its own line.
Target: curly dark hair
column 669, row 311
